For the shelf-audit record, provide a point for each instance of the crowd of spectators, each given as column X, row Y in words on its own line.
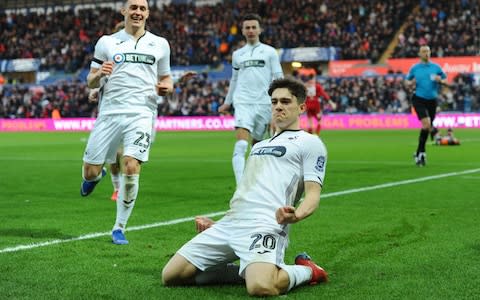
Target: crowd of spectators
column 450, row 28
column 389, row 94
column 65, row 99
column 200, row 96
column 64, row 40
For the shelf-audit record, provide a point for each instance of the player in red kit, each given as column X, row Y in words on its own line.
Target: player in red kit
column 315, row 95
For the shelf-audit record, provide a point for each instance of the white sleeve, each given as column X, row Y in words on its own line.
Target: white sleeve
column 100, row 54
column 164, row 63
column 233, row 82
column 314, row 160
column 277, row 71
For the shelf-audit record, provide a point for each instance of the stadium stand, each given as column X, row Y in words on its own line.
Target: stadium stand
column 207, row 34
column 451, row 28
column 62, row 34
column 379, row 94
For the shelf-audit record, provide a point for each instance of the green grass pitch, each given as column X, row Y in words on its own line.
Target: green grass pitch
column 385, row 229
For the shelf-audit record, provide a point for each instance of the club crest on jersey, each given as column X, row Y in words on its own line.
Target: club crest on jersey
column 320, row 163
column 119, row 58
column 277, row 151
column 134, row 58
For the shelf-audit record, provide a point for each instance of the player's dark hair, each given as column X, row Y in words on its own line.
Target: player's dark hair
column 296, row 87
column 251, row 17
column 126, row 2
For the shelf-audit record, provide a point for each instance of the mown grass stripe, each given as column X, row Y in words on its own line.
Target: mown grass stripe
column 213, row 214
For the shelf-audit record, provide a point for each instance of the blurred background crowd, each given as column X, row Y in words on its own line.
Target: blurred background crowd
column 64, row 41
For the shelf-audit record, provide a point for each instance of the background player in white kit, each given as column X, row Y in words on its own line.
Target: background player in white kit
column 115, row 168
column 132, row 67
column 255, row 66
column 255, row 229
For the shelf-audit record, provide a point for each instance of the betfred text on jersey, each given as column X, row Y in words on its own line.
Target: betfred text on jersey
column 260, row 63
column 277, row 151
column 135, row 58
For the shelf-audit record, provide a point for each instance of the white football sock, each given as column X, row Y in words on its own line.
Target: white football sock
column 115, row 181
column 127, row 194
column 298, row 275
column 238, row 159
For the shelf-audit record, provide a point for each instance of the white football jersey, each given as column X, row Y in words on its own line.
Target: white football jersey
column 275, row 173
column 257, row 66
column 138, row 65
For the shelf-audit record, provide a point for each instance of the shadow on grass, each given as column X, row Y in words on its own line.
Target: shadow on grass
column 34, row 233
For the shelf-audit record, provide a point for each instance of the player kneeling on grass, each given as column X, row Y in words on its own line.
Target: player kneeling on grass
column 255, row 229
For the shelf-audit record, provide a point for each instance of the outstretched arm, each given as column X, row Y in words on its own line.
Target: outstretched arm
column 442, row 81
column 186, row 76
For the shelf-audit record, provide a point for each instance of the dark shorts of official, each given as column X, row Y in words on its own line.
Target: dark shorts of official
column 424, row 107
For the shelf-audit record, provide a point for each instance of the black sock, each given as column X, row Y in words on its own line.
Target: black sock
column 422, row 139
column 223, row 274
column 433, row 132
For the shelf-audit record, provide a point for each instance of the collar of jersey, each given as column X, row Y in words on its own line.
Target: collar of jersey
column 254, row 45
column 130, row 37
column 286, row 130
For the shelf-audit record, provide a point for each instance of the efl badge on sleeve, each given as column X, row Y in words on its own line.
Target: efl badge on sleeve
column 320, row 163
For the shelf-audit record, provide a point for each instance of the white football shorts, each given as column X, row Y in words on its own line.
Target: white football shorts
column 110, row 131
column 227, row 241
column 255, row 118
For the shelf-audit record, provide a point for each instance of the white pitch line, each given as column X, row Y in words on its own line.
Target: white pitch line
column 397, row 183
column 188, row 219
column 100, row 234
